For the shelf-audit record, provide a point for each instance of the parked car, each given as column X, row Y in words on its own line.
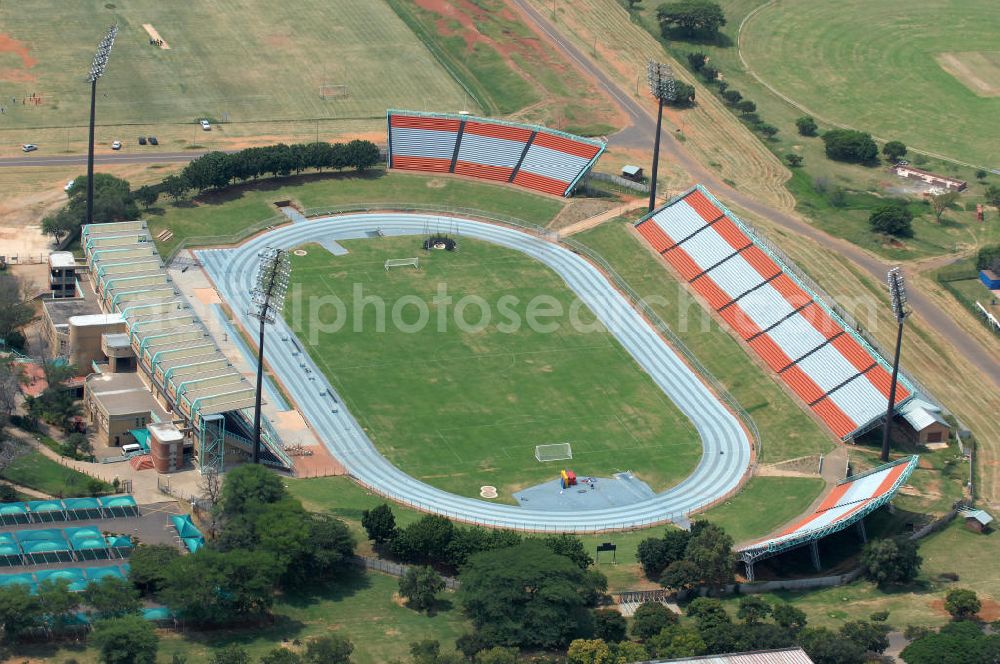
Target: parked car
column 117, row 145
column 29, row 147
column 142, row 140
column 153, row 141
column 205, row 125
column 69, row 185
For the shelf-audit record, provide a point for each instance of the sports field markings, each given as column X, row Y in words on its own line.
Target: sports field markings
column 155, row 36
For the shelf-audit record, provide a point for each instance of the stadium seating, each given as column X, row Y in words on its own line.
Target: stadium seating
column 821, row 360
column 532, row 157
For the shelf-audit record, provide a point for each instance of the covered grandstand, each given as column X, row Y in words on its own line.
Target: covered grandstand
column 529, row 156
column 850, row 501
column 820, row 358
column 209, row 400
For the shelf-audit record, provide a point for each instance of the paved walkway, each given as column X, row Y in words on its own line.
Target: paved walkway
column 598, row 219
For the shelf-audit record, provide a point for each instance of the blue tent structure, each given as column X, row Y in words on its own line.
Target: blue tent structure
column 44, row 546
column 119, row 506
column 24, row 578
column 188, row 532
column 98, row 573
column 10, row 552
column 82, row 508
column 88, row 543
column 73, row 575
column 13, row 514
column 46, row 510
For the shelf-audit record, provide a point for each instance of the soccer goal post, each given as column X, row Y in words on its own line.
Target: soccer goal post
column 402, row 262
column 553, row 452
column 330, row 91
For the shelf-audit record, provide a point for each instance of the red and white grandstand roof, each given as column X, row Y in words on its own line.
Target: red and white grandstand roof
column 824, row 361
column 850, row 500
column 533, row 157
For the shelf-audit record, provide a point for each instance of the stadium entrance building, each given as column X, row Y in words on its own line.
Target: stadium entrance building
column 193, row 384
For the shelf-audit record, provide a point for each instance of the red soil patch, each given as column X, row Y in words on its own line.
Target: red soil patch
column 10, row 45
column 989, row 612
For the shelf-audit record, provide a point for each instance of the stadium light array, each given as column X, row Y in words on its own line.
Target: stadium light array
column 897, row 294
column 660, row 78
column 267, row 300
column 97, row 68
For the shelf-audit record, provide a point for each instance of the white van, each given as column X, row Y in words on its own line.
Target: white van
column 131, row 447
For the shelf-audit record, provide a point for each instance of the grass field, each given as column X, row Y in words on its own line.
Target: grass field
column 857, row 63
column 460, row 408
column 239, row 207
column 786, row 430
column 36, row 471
column 241, row 59
column 364, row 608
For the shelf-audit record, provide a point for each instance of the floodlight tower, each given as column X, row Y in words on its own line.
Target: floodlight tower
column 267, row 299
column 661, row 85
column 897, row 291
column 96, row 71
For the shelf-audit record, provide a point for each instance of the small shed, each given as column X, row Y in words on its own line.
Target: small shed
column 990, row 279
column 927, row 422
column 977, row 520
column 630, row 172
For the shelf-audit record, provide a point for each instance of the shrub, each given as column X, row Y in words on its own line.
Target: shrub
column 807, row 126
column 851, row 146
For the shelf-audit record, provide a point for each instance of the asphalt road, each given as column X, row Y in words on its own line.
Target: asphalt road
column 726, row 447
column 640, row 134
column 41, row 159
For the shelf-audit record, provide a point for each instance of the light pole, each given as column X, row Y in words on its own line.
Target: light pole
column 96, row 71
column 661, row 85
column 267, row 299
column 897, row 291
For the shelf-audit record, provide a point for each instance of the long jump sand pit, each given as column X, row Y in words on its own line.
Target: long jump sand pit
column 977, row 70
column 155, row 36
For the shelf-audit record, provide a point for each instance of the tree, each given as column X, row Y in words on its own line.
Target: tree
column 112, row 597
column 768, row 130
column 680, row 575
column 175, row 186
column 794, row 160
column 892, row 220
column 959, row 642
column 125, row 640
column 732, row 97
column 362, row 155
column 962, row 604
column 807, row 125
column 696, row 60
column 656, row 554
column 214, row 587
column 425, row 540
column 746, row 107
column 873, row 637
column 941, row 202
column 524, row 595
column 826, row 647
column 711, row 551
column 753, row 610
column 281, row 656
column 16, row 310
column 10, row 389
column 709, row 74
column 211, row 170
column 380, row 524
column 691, row 18
column 249, row 487
column 497, row 655
column 469, row 541
column 571, row 547
column 146, row 196
column 234, row 653
column 629, row 651
column 849, row 145
column 113, row 201
column 993, row 195
column 650, row 618
column 894, row 151
column 981, row 175
column 789, row 617
column 328, row 650
column 589, row 651
column 56, row 603
column 420, row 586
column 683, row 95
column 678, row 641
column 148, row 566
column 888, row 561
column 610, row 626
column 19, row 611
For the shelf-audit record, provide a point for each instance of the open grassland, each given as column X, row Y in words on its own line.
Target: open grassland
column 463, row 402
column 787, row 431
column 236, row 59
column 240, row 207
column 949, row 377
column 953, row 550
column 860, row 64
column 506, row 66
column 362, row 607
column 36, row 471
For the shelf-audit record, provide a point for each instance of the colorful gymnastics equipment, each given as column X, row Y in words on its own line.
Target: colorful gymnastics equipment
column 567, row 479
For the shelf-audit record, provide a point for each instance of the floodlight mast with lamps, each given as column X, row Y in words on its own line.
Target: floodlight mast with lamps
column 267, row 299
column 897, row 291
column 661, row 85
column 97, row 68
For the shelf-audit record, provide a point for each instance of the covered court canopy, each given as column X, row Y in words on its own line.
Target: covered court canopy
column 13, row 513
column 67, row 509
column 851, row 500
column 77, row 578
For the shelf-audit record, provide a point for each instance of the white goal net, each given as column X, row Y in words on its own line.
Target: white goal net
column 553, row 452
column 402, row 262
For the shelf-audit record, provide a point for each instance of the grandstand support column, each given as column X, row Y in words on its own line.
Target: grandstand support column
column 862, row 533
column 814, row 551
column 749, row 565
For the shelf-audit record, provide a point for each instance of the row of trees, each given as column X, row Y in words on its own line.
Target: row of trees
column 682, row 560
column 733, row 98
